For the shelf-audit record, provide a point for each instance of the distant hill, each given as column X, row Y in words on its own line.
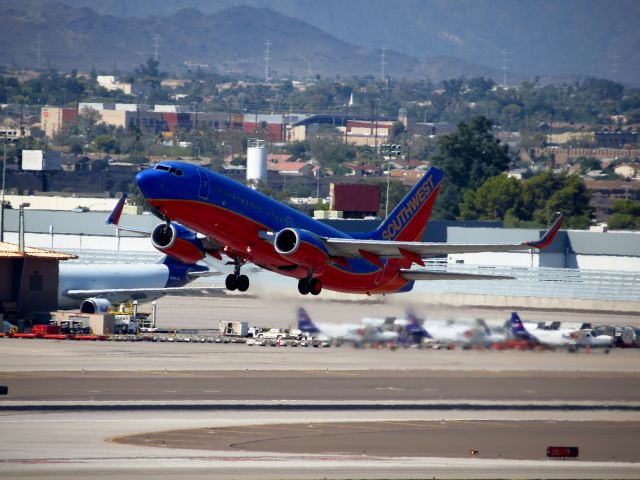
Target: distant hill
column 230, row 41
column 533, row 37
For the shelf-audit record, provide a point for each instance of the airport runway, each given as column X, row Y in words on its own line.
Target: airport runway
column 323, row 386
column 260, row 401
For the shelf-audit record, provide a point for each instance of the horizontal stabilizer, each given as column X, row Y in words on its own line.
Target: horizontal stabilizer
column 209, row 273
column 431, row 275
column 139, row 293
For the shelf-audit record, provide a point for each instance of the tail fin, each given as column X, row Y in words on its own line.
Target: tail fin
column 114, row 216
column 304, row 322
column 517, row 328
column 408, row 220
column 415, row 327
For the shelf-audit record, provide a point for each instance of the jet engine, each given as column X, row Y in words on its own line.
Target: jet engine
column 301, row 247
column 95, row 305
column 177, row 242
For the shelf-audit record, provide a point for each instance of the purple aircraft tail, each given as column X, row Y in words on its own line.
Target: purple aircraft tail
column 305, row 324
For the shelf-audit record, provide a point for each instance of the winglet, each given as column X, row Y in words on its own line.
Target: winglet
column 114, row 216
column 549, row 235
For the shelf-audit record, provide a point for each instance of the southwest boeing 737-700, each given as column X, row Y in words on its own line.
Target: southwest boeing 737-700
column 204, row 212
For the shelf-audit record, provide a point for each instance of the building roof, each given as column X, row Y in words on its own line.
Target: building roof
column 280, row 157
column 288, row 166
column 10, row 250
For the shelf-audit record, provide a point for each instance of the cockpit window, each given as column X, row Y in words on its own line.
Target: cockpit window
column 175, row 171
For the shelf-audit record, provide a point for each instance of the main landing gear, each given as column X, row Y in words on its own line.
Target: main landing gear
column 235, row 281
column 309, row 285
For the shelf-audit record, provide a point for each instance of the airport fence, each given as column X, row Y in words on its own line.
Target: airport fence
column 534, row 282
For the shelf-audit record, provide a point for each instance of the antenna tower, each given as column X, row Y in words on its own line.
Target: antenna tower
column 382, row 62
column 156, row 47
column 505, row 66
column 267, row 43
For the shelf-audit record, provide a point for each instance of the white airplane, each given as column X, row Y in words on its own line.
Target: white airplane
column 558, row 338
column 344, row 332
column 94, row 287
column 447, row 332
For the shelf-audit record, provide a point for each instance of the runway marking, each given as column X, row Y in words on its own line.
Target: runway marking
column 411, row 424
column 389, row 388
column 211, row 391
column 337, row 373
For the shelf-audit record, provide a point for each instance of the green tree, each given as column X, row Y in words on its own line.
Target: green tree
column 135, row 196
column 626, row 215
column 548, row 193
column 87, row 121
column 496, row 198
column 588, row 163
column 397, row 191
column 467, row 157
column 107, row 144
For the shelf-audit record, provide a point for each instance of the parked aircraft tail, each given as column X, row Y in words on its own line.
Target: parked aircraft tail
column 408, row 220
column 305, row 324
column 518, row 330
column 415, row 328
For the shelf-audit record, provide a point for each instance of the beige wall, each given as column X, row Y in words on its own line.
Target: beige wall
column 117, row 118
column 51, row 120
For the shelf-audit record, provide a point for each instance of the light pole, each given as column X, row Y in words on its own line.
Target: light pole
column 21, row 226
column 4, row 168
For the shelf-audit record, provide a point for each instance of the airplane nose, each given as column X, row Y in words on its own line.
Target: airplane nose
column 147, row 181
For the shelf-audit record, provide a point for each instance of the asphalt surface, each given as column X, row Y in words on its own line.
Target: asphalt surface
column 325, row 386
column 384, row 438
column 596, row 441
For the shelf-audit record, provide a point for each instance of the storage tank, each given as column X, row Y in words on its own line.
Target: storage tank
column 256, row 160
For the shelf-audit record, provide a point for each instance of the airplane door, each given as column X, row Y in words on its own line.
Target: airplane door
column 203, row 192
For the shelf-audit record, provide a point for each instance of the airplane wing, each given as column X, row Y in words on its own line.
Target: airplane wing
column 431, row 275
column 135, row 293
column 373, row 250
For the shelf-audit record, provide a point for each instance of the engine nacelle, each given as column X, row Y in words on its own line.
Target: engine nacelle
column 302, row 247
column 95, row 305
column 178, row 242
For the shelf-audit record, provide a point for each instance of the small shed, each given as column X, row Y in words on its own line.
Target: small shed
column 28, row 280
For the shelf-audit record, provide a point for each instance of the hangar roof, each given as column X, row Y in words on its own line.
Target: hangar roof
column 10, row 250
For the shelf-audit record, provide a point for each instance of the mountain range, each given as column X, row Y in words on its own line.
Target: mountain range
column 435, row 38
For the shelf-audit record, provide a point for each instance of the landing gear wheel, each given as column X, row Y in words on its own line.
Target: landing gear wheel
column 303, row 286
column 231, row 282
column 315, row 286
column 242, row 283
